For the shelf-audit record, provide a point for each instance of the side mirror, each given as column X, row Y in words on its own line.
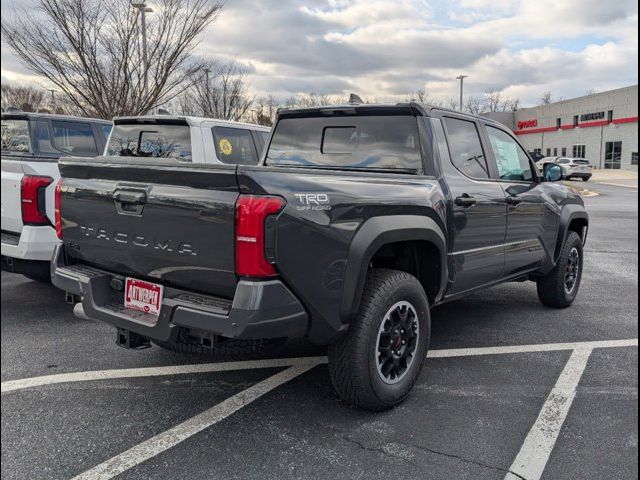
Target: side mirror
column 552, row 172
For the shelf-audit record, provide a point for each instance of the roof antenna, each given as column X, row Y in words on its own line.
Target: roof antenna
column 355, row 99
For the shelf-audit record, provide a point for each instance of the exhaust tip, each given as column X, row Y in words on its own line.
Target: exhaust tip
column 78, row 311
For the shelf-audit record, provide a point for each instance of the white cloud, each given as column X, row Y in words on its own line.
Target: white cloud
column 386, row 49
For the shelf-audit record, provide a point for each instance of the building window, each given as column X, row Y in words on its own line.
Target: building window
column 555, row 152
column 558, row 122
column 548, row 152
column 579, row 151
column 564, row 151
column 576, row 119
column 610, row 116
column 634, row 158
column 613, row 155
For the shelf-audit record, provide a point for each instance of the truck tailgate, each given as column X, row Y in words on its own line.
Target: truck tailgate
column 168, row 222
column 11, row 208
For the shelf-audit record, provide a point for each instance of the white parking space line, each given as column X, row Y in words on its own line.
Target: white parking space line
column 12, row 385
column 530, row 462
column 169, row 438
column 543, row 347
column 536, row 449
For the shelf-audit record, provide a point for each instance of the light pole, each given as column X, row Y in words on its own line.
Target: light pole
column 461, row 78
column 143, row 9
column 207, row 91
column 53, row 100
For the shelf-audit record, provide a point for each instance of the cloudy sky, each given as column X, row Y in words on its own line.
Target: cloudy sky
column 386, row 49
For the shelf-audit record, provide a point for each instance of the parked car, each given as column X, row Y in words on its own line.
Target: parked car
column 543, row 160
column 187, row 139
column 571, row 167
column 32, row 143
column 360, row 219
column 576, row 168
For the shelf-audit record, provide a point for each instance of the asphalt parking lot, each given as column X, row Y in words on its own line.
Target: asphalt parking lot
column 511, row 390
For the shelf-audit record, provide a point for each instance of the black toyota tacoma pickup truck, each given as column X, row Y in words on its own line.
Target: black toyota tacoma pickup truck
column 358, row 221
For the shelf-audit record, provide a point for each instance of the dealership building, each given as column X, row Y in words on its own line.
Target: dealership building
column 602, row 128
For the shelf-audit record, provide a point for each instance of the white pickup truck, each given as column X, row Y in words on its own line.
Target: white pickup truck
column 32, row 143
column 187, row 139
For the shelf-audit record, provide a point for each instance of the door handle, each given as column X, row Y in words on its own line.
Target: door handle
column 135, row 198
column 130, row 202
column 465, row 200
column 513, row 200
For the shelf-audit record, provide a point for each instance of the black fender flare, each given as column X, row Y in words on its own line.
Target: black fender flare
column 568, row 214
column 375, row 233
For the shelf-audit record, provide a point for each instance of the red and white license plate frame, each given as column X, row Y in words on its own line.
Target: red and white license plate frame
column 143, row 296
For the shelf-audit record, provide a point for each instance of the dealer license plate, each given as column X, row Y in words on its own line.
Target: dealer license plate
column 143, row 296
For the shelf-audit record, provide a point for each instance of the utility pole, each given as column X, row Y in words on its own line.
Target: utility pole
column 143, row 9
column 207, row 104
column 461, row 78
column 53, row 100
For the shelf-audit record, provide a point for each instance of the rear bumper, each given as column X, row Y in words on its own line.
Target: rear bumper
column 574, row 174
column 33, row 243
column 260, row 309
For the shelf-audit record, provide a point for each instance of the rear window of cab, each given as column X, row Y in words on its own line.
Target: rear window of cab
column 355, row 142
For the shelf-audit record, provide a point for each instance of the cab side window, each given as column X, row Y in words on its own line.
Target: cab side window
column 235, row 146
column 465, row 148
column 74, row 138
column 513, row 164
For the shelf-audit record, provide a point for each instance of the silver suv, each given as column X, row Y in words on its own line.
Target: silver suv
column 571, row 167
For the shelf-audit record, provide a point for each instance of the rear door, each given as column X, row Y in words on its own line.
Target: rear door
column 531, row 225
column 235, row 146
column 479, row 215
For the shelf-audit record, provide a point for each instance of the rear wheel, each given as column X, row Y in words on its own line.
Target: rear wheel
column 560, row 287
column 376, row 363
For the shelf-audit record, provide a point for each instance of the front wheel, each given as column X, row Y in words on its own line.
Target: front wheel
column 376, row 363
column 559, row 288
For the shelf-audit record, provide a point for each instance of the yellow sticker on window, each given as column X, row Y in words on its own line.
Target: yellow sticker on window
column 225, row 146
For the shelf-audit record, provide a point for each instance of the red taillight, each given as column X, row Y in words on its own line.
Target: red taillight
column 251, row 213
column 57, row 209
column 32, row 196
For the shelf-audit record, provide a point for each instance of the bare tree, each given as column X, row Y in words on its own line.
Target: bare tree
column 474, row 105
column 20, row 97
column 546, row 98
column 264, row 110
column 452, row 103
column 313, row 100
column 421, row 96
column 220, row 90
column 91, row 50
column 497, row 101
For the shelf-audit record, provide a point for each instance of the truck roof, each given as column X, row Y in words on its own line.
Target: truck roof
column 413, row 108
column 51, row 116
column 190, row 120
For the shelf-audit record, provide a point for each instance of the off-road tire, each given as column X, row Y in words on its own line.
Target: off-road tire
column 353, row 358
column 551, row 288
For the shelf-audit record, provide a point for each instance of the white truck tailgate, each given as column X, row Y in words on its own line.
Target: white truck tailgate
column 11, row 208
